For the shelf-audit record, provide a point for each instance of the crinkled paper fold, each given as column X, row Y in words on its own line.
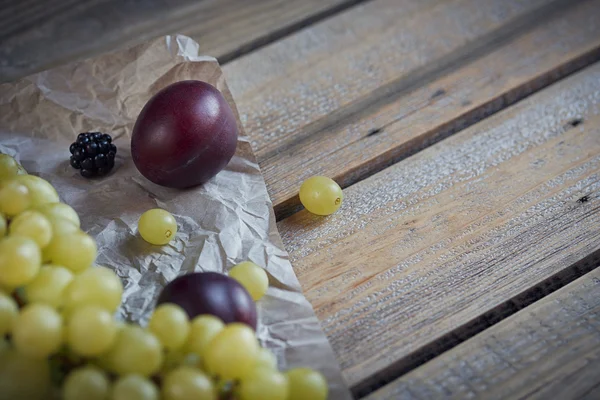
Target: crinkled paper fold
column 223, row 222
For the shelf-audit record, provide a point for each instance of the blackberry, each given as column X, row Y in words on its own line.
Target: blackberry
column 93, row 154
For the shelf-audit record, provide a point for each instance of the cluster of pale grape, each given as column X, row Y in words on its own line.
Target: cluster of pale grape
column 59, row 337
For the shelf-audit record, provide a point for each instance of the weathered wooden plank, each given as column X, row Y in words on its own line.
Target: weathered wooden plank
column 435, row 241
column 549, row 350
column 39, row 34
column 361, row 91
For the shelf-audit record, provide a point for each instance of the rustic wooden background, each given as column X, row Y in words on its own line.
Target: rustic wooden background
column 466, row 134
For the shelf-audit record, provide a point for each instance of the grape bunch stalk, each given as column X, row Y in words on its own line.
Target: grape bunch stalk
column 59, row 338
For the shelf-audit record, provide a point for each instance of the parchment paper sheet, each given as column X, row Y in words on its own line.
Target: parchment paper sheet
column 224, row 222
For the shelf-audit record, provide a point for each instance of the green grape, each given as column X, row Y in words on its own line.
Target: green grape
column 192, row 360
column 33, row 225
column 49, row 286
column 2, row 226
column 86, row 383
column 76, row 251
column 23, row 377
column 232, row 353
column 177, row 358
column 266, row 359
column 264, row 384
column 9, row 311
column 135, row 351
column 14, row 198
column 186, row 383
column 321, row 195
column 90, row 330
column 60, row 227
column 40, row 191
column 9, row 167
column 97, row 286
column 203, row 329
column 171, row 360
column 305, row 383
column 60, row 210
column 38, row 331
column 134, row 387
column 170, row 324
column 252, row 277
column 157, row 226
column 20, row 260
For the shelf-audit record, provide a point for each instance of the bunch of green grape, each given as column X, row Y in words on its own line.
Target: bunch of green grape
column 59, row 337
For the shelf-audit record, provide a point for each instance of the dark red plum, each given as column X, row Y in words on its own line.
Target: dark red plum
column 211, row 293
column 184, row 135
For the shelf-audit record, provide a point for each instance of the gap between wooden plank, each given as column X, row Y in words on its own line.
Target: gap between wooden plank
column 36, row 35
column 485, row 321
column 432, row 71
column 539, row 352
column 280, row 33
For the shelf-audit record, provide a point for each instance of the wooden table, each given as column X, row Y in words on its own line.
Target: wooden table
column 466, row 134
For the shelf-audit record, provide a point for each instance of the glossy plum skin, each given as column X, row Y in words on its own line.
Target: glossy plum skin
column 184, row 135
column 211, row 293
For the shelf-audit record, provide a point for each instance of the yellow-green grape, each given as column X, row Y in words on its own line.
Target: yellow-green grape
column 96, row 286
column 40, row 191
column 38, row 331
column 9, row 167
column 157, row 226
column 9, row 310
column 305, row 383
column 23, row 377
column 76, row 251
column 186, row 383
column 2, row 226
column 20, row 260
column 33, row 225
column 14, row 198
column 86, row 383
column 48, row 287
column 171, row 325
column 60, row 227
column 90, row 330
column 203, row 329
column 264, row 384
column 177, row 358
column 266, row 359
column 134, row 387
column 60, row 210
column 321, row 195
column 252, row 277
column 172, row 359
column 135, row 351
column 232, row 353
column 192, row 360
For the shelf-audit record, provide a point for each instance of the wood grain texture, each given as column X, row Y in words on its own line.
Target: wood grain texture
column 358, row 92
column 39, row 34
column 549, row 350
column 433, row 242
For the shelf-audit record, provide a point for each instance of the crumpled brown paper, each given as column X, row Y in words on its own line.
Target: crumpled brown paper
column 225, row 221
